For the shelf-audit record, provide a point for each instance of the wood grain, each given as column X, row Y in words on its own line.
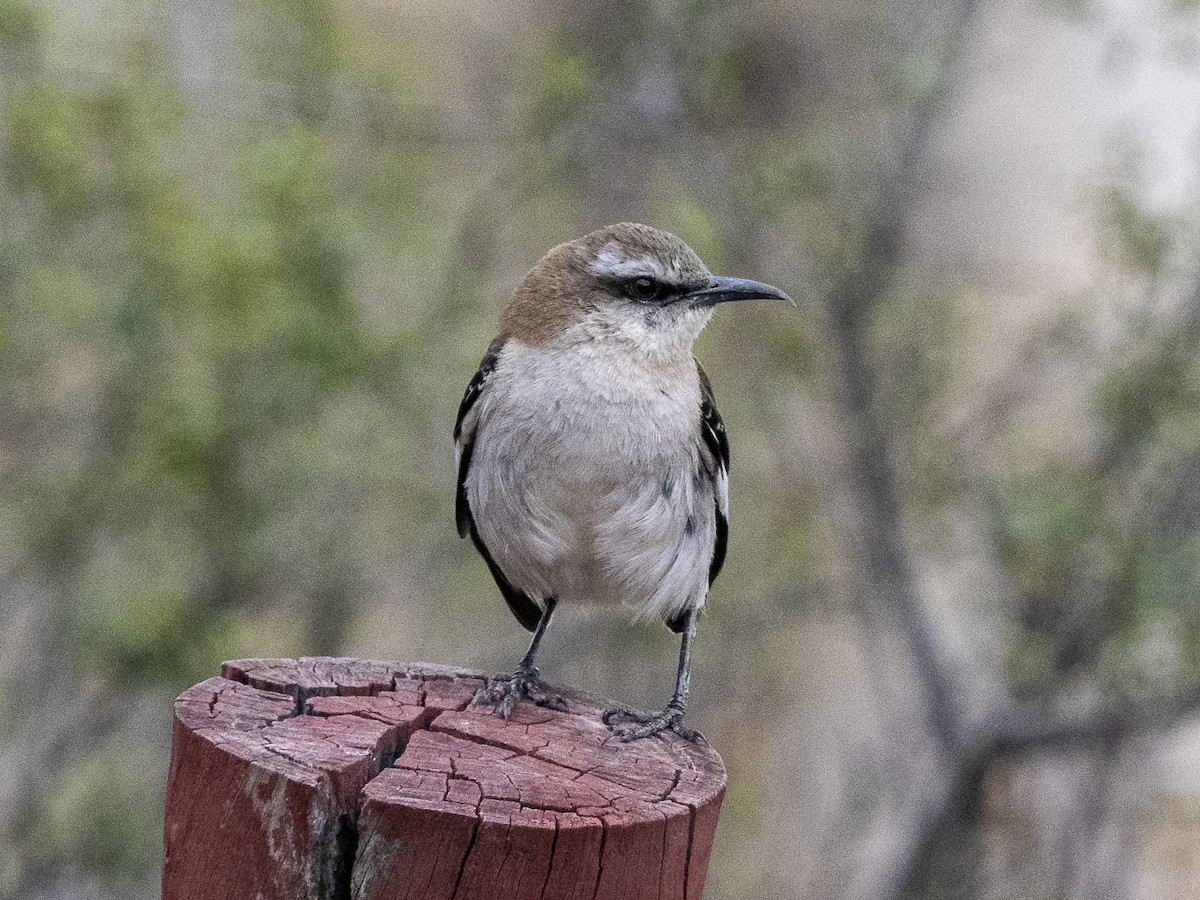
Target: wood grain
column 343, row 778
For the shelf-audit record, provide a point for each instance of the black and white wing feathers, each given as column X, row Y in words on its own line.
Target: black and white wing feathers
column 465, row 427
column 714, row 460
column 716, row 468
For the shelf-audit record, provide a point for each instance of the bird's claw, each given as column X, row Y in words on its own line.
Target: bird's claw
column 631, row 724
column 505, row 693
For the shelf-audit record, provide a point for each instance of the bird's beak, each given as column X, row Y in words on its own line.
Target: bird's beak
column 722, row 290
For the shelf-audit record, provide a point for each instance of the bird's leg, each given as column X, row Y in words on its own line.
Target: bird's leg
column 629, row 724
column 524, row 681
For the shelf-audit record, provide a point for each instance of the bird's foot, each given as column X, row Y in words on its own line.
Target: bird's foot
column 631, row 724
column 504, row 694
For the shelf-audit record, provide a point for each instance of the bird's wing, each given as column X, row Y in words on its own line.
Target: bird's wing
column 714, row 463
column 464, row 433
column 525, row 609
column 715, row 456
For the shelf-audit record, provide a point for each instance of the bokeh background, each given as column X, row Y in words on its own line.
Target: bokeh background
column 251, row 253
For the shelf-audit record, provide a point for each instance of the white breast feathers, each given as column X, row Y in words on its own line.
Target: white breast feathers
column 586, row 482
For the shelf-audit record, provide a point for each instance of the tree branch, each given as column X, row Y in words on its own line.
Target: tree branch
column 888, row 564
column 1021, row 732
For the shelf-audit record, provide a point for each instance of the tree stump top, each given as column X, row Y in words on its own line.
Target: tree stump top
column 336, row 778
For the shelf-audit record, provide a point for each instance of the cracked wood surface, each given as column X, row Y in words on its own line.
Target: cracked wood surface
column 343, row 778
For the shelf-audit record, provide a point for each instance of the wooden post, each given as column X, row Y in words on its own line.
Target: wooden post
column 332, row 779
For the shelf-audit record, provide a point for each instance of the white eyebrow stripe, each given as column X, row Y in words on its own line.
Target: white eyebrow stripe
column 614, row 264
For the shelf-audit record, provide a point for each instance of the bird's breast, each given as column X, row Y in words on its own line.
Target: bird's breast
column 585, row 478
column 597, row 403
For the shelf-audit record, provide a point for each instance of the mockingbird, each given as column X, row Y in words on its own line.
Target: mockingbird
column 592, row 462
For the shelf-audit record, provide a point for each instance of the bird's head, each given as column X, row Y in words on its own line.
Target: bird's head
column 626, row 285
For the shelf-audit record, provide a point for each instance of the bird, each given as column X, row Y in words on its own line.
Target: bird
column 592, row 463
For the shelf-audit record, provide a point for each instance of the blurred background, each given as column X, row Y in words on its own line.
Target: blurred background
column 251, row 253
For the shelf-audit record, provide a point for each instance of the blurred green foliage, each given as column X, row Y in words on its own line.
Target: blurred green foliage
column 91, row 815
column 203, row 335
column 1102, row 544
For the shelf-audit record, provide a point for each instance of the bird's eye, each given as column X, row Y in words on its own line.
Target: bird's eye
column 644, row 289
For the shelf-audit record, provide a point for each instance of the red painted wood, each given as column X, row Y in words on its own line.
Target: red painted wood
column 339, row 778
